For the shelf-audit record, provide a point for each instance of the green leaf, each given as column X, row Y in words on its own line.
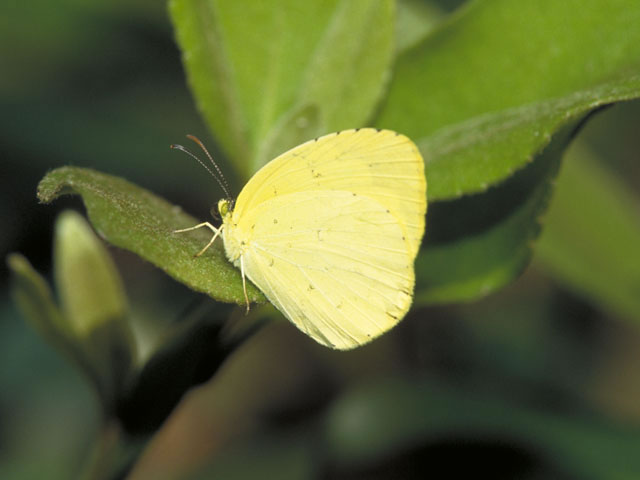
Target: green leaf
column 35, row 300
column 479, row 243
column 414, row 20
column 592, row 235
column 484, row 96
column 251, row 65
column 89, row 285
column 94, row 303
column 134, row 219
column 486, row 92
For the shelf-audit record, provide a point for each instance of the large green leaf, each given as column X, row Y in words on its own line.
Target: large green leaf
column 592, row 235
column 479, row 243
column 484, row 94
column 257, row 69
column 133, row 218
column 487, row 96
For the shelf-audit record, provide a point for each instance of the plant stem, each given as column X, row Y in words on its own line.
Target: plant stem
column 104, row 459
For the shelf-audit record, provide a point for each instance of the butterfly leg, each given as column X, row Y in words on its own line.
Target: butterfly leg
column 244, row 282
column 216, row 232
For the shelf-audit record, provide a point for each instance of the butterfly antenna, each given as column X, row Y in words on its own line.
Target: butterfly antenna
column 219, row 178
column 215, row 165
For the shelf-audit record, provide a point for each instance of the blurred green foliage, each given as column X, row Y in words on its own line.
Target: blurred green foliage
column 536, row 381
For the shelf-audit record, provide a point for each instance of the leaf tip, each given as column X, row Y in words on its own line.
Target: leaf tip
column 15, row 261
column 53, row 184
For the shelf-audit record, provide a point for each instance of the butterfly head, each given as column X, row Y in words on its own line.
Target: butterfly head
column 225, row 207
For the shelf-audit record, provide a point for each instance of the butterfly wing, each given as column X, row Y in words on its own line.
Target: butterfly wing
column 334, row 263
column 379, row 164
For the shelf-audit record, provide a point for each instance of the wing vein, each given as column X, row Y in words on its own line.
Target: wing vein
column 328, row 300
column 335, row 267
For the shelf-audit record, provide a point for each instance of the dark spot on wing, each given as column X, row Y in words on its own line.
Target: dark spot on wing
column 275, row 220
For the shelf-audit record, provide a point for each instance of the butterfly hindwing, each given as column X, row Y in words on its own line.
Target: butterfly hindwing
column 336, row 264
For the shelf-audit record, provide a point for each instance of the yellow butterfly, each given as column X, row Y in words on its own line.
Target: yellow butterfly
column 329, row 232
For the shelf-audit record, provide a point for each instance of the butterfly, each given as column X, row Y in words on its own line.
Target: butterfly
column 329, row 232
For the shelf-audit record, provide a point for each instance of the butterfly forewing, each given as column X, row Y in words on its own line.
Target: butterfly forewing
column 379, row 164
